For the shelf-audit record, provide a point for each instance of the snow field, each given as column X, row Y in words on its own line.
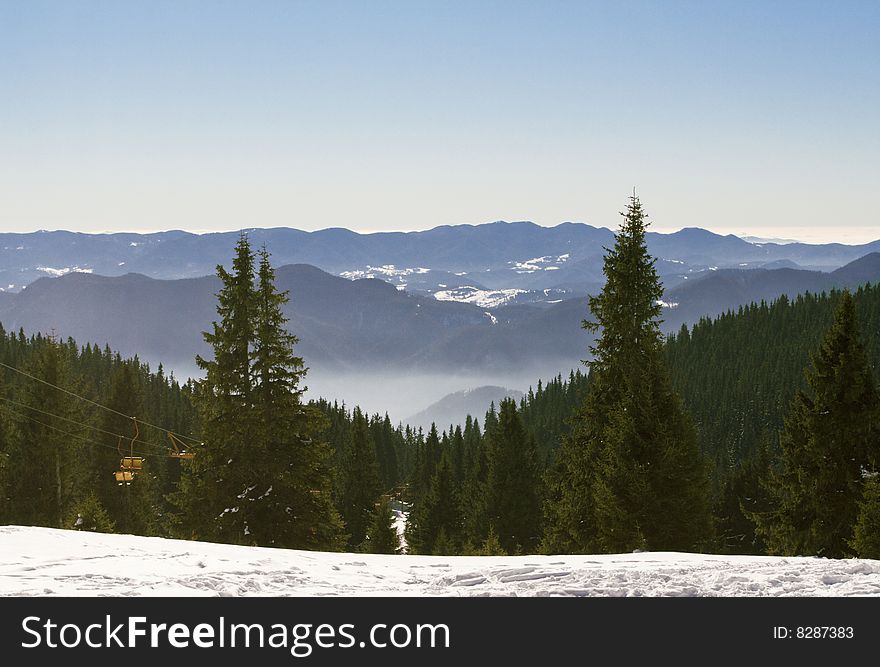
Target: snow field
column 44, row 561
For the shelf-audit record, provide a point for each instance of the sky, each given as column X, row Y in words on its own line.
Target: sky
column 758, row 118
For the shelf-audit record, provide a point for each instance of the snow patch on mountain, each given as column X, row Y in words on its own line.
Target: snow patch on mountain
column 664, row 304
column 63, row 272
column 384, row 272
column 537, row 263
column 480, row 297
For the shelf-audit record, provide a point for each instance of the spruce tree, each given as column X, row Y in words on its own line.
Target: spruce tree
column 222, row 473
column 866, row 539
column 829, row 440
column 512, row 485
column 262, row 476
column 474, row 510
column 631, row 474
column 44, row 461
column 436, row 519
column 382, row 537
column 743, row 498
column 296, row 509
column 89, row 514
column 492, row 545
column 360, row 482
column 443, row 545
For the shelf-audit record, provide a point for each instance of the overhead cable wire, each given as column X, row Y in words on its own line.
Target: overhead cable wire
column 82, row 424
column 96, row 404
column 90, row 441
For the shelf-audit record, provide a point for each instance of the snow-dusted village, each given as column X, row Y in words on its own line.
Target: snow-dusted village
column 345, row 302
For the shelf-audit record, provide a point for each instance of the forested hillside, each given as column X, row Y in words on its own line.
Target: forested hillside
column 700, row 432
column 64, row 424
column 737, row 375
column 739, row 372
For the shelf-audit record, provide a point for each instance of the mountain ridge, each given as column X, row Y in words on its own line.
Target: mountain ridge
column 363, row 324
column 566, row 256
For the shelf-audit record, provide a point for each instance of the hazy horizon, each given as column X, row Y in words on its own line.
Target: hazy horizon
column 853, row 236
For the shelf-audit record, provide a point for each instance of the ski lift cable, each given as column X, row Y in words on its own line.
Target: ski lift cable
column 63, row 432
column 88, row 400
column 79, row 423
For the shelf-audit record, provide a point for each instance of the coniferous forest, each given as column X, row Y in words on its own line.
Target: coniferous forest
column 756, row 432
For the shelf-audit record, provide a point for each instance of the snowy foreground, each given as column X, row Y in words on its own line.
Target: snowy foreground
column 43, row 561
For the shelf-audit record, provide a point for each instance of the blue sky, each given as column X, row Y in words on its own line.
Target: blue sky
column 759, row 118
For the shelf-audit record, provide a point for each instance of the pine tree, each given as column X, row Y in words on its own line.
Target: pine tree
column 512, row 485
column 443, row 545
column 382, row 536
column 830, row 438
column 262, row 476
column 630, row 474
column 360, row 482
column 744, row 497
column 474, row 510
column 222, row 472
column 492, row 545
column 296, row 509
column 866, row 541
column 437, row 518
column 427, row 458
column 385, row 437
column 89, row 514
column 44, row 460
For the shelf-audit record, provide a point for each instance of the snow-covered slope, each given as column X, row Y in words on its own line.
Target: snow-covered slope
column 42, row 561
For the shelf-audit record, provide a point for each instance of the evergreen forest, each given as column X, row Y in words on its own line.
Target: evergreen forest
column 756, row 432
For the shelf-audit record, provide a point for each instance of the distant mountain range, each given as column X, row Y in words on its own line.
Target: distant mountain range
column 485, row 265
column 455, row 407
column 727, row 289
column 343, row 325
column 366, row 324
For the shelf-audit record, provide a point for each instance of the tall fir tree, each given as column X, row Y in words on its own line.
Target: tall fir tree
column 382, row 535
column 866, row 537
column 210, row 492
column 44, row 460
column 630, row 474
column 360, row 482
column 829, row 441
column 296, row 509
column 89, row 514
column 262, row 476
column 473, row 488
column 513, row 483
column 435, row 523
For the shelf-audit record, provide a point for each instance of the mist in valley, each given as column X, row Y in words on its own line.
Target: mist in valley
column 402, row 394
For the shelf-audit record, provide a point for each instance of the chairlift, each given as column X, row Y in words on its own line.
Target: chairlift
column 124, row 477
column 177, row 452
column 129, row 465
